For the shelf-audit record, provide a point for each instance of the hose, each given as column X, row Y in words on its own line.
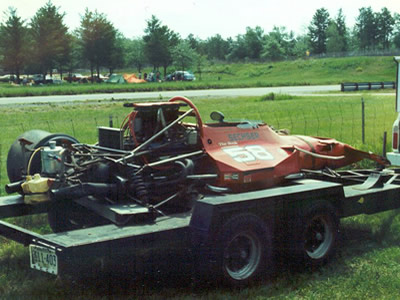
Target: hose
column 186, row 169
column 139, row 185
column 83, row 190
column 28, row 170
column 131, row 122
column 320, row 155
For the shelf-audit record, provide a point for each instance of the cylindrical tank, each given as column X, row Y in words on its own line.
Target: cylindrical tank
column 52, row 159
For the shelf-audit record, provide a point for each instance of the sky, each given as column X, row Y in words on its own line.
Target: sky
column 202, row 18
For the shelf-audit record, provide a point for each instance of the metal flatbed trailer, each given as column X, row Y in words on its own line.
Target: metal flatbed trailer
column 198, row 236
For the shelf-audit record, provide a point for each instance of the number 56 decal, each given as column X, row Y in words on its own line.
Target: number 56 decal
column 248, row 153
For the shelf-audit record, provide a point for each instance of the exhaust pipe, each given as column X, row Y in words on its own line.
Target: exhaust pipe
column 14, row 187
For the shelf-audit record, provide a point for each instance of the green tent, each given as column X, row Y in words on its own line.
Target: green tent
column 116, row 78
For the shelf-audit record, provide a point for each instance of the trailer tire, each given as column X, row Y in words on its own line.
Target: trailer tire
column 314, row 234
column 244, row 249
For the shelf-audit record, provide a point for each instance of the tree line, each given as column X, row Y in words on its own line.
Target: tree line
column 45, row 43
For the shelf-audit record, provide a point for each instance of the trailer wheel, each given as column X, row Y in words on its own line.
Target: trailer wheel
column 315, row 234
column 244, row 250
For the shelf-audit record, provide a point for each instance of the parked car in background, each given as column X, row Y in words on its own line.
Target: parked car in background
column 97, row 79
column 7, row 78
column 75, row 77
column 154, row 76
column 40, row 79
column 180, row 75
column 56, row 78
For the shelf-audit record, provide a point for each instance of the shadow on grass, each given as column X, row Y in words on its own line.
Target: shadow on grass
column 178, row 279
column 174, row 281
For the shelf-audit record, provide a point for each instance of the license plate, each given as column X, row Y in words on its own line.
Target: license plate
column 43, row 259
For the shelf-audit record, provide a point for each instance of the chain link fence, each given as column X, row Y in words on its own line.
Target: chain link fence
column 342, row 121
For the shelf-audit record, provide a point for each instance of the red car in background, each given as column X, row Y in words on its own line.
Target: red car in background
column 75, row 78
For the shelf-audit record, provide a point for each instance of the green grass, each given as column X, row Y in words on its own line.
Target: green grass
column 216, row 76
column 368, row 261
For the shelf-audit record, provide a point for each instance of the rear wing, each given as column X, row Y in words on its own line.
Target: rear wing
column 397, row 60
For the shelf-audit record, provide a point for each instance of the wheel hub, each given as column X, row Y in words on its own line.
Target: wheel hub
column 242, row 256
column 318, row 237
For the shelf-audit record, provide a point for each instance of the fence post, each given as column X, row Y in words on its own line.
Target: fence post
column 73, row 128
column 384, row 144
column 0, row 165
column 352, row 123
column 341, row 123
column 111, row 121
column 362, row 120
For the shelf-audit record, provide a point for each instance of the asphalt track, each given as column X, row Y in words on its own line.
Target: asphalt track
column 162, row 95
column 170, row 94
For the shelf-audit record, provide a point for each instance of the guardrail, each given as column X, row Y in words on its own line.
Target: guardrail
column 359, row 86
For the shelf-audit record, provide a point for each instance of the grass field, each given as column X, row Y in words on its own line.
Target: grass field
column 216, row 76
column 366, row 266
column 332, row 116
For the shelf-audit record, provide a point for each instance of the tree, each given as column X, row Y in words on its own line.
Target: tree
column 217, row 47
column 65, row 56
column 247, row 46
column 74, row 58
column 302, row 46
column 279, row 44
column 14, row 42
column 396, row 35
column 135, row 53
column 197, row 44
column 334, row 39
column 273, row 50
column 254, row 39
column 353, row 42
column 341, row 28
column 49, row 36
column 116, row 58
column 159, row 41
column 317, row 31
column 184, row 56
column 366, row 29
column 98, row 39
column 201, row 61
column 385, row 23
column 336, row 34
column 237, row 49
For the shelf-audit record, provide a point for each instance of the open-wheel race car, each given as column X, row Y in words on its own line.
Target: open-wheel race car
column 229, row 199
column 156, row 164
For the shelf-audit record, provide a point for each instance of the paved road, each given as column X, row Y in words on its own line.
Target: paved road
column 295, row 90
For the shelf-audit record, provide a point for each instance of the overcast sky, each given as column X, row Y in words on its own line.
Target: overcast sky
column 203, row 18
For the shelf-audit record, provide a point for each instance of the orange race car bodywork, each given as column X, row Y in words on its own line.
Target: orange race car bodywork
column 253, row 154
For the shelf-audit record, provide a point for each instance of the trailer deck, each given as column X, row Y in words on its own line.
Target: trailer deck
column 65, row 252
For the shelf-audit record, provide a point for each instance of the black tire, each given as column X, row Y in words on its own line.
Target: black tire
column 18, row 156
column 244, row 249
column 314, row 234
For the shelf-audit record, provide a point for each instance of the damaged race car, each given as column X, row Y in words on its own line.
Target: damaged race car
column 157, row 163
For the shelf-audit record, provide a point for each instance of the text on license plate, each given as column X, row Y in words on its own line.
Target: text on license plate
column 43, row 259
